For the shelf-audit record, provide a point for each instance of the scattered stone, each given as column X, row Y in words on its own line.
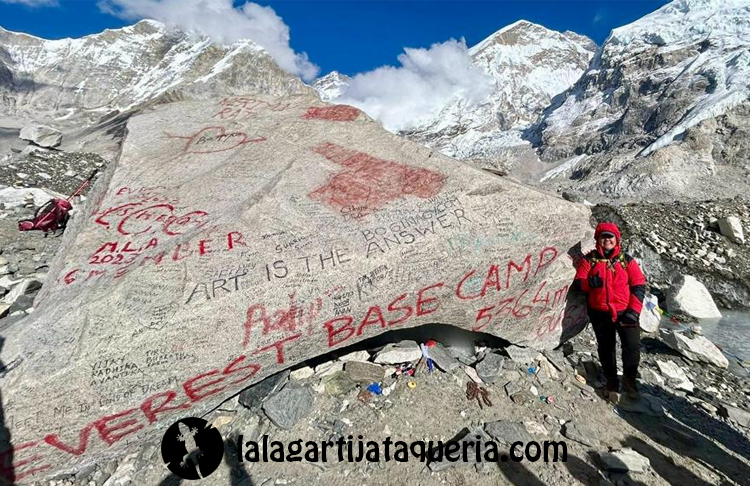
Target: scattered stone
column 443, row 358
column 521, row 398
column 338, row 383
column 490, row 368
column 535, row 428
column 507, row 432
column 690, row 297
column 736, row 414
column 651, row 377
column 472, row 373
column 581, row 431
column 731, row 227
column 695, row 347
column 328, row 368
column 41, row 135
column 22, row 303
column 521, row 355
column 361, row 355
column 302, row 373
column 362, row 372
column 708, row 407
column 288, row 406
column 625, row 460
column 28, row 286
column 464, row 356
column 675, row 375
column 4, row 308
column 401, row 352
column 252, row 397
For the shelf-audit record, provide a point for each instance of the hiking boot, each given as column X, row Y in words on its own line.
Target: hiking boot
column 629, row 387
column 613, row 385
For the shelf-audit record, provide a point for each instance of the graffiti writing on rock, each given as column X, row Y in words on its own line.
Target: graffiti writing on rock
column 367, row 181
column 210, row 140
column 332, row 113
column 138, row 218
column 241, row 107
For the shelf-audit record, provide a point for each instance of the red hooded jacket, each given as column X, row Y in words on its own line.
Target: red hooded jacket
column 624, row 283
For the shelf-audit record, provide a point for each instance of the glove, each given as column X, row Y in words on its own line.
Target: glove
column 629, row 318
column 595, row 281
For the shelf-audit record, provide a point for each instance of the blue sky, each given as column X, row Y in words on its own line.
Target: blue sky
column 353, row 36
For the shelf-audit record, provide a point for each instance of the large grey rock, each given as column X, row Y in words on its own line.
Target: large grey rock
column 42, row 135
column 221, row 250
column 695, row 347
column 731, row 227
column 290, row 405
column 690, row 297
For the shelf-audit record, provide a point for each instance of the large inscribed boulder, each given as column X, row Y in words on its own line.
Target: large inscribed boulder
column 238, row 237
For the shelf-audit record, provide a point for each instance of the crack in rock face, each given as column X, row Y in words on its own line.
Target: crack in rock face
column 192, row 274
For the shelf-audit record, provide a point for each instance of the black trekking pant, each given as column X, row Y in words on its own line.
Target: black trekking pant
column 630, row 340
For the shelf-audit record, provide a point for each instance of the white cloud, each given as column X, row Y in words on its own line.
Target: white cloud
column 599, row 17
column 223, row 23
column 427, row 81
column 33, row 3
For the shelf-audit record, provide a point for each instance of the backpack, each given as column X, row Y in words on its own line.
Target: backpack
column 52, row 216
column 623, row 259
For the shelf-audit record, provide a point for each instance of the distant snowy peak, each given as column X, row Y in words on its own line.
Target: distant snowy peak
column 528, row 64
column 656, row 78
column 535, row 62
column 529, row 34
column 684, row 22
column 332, row 85
column 79, row 80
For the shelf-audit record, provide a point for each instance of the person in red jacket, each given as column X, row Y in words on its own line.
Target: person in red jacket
column 615, row 286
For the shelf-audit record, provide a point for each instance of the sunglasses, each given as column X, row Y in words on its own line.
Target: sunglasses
column 607, row 237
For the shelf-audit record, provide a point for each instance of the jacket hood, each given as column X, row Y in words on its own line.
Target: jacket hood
column 607, row 227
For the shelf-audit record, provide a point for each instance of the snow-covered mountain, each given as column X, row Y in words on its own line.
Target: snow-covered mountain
column 71, row 83
column 332, row 85
column 529, row 64
column 663, row 109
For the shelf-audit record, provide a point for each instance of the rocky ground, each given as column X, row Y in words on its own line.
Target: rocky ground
column 668, row 437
